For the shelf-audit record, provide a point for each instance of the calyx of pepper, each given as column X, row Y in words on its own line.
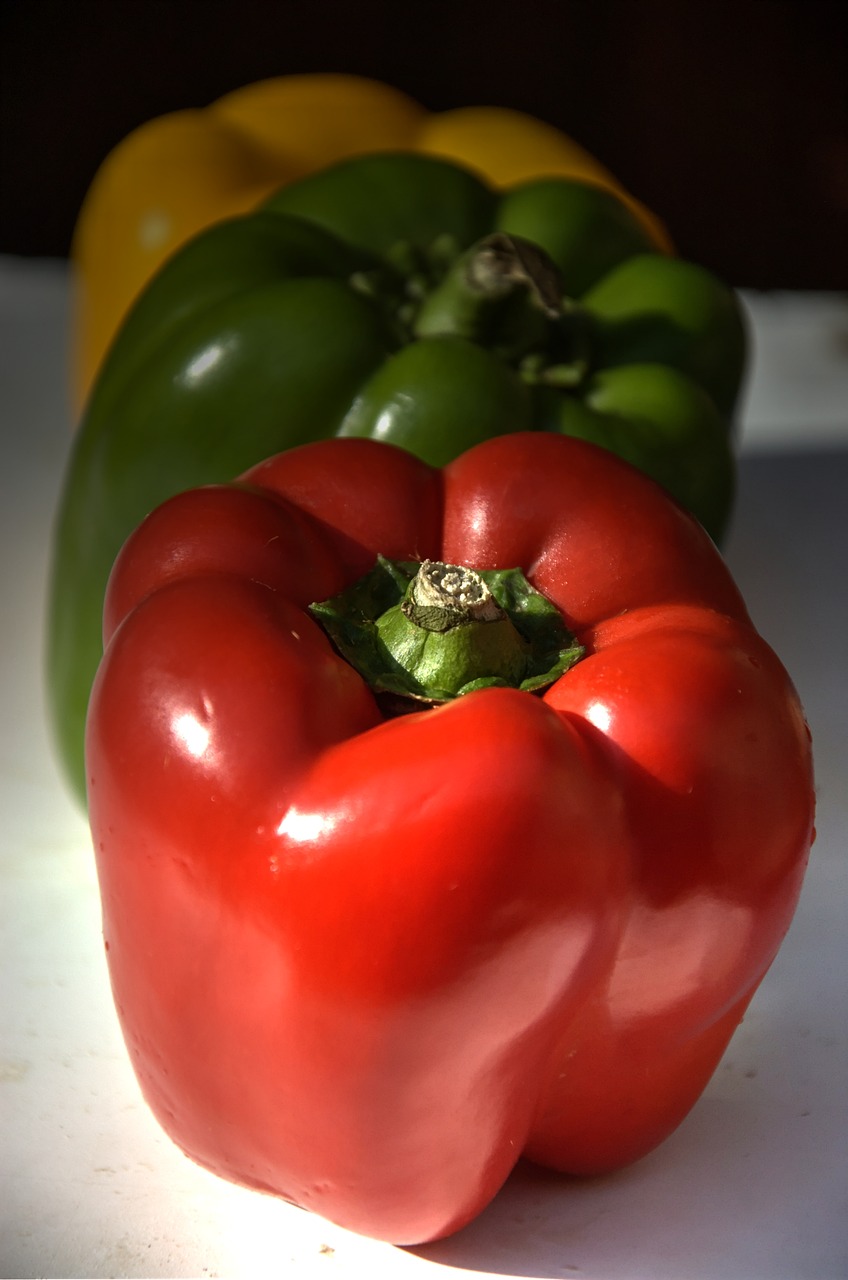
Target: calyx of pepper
column 425, row 633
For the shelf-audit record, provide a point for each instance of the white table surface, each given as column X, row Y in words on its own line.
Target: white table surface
column 753, row 1184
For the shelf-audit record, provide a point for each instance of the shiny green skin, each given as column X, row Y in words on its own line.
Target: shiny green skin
column 260, row 335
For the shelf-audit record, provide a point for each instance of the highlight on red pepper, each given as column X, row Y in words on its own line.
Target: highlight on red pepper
column 441, row 817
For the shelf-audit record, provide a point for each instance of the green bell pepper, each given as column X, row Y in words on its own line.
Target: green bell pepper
column 398, row 297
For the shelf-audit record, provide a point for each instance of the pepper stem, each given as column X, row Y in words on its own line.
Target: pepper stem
column 433, row 631
column 504, row 292
column 449, row 631
column 442, row 596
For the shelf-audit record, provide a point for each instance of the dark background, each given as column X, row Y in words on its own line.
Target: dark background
column 728, row 117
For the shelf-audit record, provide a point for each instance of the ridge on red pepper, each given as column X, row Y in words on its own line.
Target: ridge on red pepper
column 366, row 960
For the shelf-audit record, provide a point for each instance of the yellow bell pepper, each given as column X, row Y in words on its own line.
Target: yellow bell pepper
column 181, row 172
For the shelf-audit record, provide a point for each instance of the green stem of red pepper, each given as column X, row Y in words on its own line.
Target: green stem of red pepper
column 431, row 632
column 448, row 632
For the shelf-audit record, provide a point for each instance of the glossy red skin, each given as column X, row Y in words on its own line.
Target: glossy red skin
column 366, row 965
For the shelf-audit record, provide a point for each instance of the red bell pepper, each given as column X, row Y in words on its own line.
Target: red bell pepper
column 365, row 960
